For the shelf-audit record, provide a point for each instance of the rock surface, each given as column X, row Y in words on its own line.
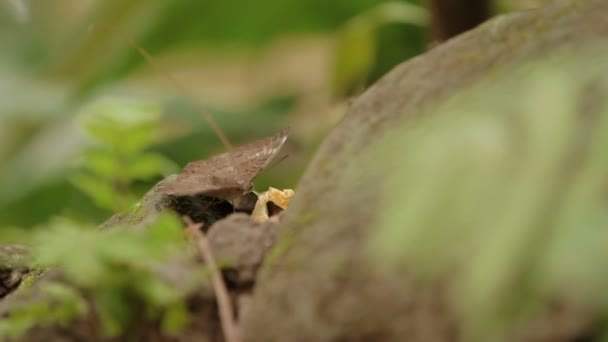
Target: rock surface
column 323, row 286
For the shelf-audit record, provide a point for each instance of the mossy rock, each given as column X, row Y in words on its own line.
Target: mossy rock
column 326, row 283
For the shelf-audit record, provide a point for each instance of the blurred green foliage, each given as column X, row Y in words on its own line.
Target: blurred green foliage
column 53, row 64
column 123, row 131
column 116, row 275
column 60, row 304
column 356, row 46
column 122, row 276
column 57, row 65
column 504, row 191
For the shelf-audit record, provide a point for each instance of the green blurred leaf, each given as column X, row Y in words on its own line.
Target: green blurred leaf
column 118, row 268
column 119, row 122
column 398, row 12
column 175, row 318
column 157, row 293
column 354, row 55
column 57, row 303
column 123, row 130
column 74, row 248
column 147, row 166
column 135, row 139
column 99, row 190
column 114, row 311
column 103, row 130
column 166, row 230
column 356, row 43
column 69, row 303
column 103, row 162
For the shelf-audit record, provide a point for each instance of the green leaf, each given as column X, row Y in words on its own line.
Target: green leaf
column 74, row 249
column 125, row 125
column 102, row 130
column 113, row 310
column 166, row 230
column 57, row 303
column 123, row 130
column 175, row 318
column 356, row 43
column 121, row 112
column 147, row 166
column 135, row 139
column 398, row 12
column 68, row 303
column 99, row 190
column 103, row 163
column 24, row 319
column 354, row 54
column 158, row 293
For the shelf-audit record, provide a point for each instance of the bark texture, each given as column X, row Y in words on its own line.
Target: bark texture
column 323, row 286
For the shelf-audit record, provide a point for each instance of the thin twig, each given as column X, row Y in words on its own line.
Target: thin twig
column 173, row 80
column 229, row 326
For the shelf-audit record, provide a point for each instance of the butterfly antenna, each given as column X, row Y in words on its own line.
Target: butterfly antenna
column 171, row 79
column 278, row 161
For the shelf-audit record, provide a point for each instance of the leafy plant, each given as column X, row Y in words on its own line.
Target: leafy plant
column 356, row 43
column 121, row 131
column 117, row 275
column 60, row 304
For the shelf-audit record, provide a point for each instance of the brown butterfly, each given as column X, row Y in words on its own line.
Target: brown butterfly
column 229, row 175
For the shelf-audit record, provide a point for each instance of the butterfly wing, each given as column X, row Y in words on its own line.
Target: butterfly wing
column 255, row 157
column 201, row 177
column 226, row 173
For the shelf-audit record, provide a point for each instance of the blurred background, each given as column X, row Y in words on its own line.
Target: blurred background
column 256, row 66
